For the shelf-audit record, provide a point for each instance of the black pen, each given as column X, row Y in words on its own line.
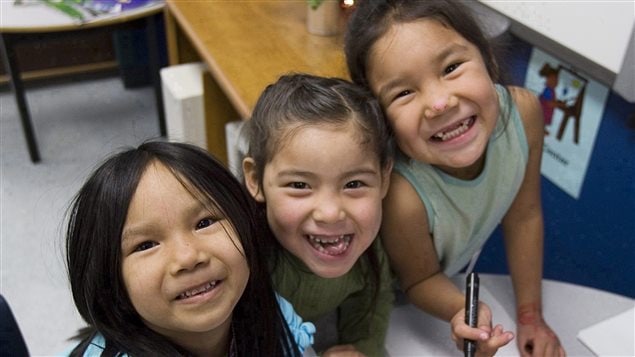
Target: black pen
column 471, row 310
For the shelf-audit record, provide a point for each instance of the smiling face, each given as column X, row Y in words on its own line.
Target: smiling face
column 323, row 192
column 183, row 271
column 437, row 94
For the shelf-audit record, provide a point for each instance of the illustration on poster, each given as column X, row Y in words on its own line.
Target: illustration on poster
column 563, row 90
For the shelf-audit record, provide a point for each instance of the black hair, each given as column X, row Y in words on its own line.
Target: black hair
column 93, row 244
column 300, row 99
column 371, row 19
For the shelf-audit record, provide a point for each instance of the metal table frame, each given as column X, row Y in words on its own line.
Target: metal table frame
column 8, row 39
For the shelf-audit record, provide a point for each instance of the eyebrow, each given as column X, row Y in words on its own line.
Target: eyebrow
column 449, row 49
column 388, row 87
column 139, row 231
column 361, row 171
column 145, row 229
column 445, row 52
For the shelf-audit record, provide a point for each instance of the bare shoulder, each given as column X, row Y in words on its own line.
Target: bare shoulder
column 402, row 203
column 530, row 113
column 404, row 214
column 405, row 234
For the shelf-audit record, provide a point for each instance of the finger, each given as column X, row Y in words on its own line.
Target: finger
column 484, row 318
column 497, row 331
column 551, row 349
column 540, row 348
column 471, row 333
column 555, row 348
column 496, row 342
column 486, row 328
column 489, row 347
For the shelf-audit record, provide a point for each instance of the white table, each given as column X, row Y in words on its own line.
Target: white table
column 18, row 23
column 568, row 308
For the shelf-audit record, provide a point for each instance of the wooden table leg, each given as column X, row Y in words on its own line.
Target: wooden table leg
column 180, row 48
column 155, row 67
column 218, row 112
column 11, row 65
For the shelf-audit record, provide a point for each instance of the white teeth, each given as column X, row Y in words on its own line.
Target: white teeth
column 337, row 245
column 316, row 239
column 204, row 288
column 460, row 129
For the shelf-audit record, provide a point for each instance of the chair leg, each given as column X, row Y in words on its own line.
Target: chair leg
column 563, row 126
column 11, row 66
column 576, row 129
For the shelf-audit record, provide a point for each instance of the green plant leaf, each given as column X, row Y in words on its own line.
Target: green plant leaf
column 315, row 3
column 66, row 8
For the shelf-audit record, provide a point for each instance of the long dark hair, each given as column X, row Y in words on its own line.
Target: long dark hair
column 93, row 244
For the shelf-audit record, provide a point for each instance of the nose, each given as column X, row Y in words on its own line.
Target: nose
column 329, row 209
column 186, row 254
column 437, row 101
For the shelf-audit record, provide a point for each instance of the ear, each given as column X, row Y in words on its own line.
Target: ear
column 385, row 178
column 251, row 179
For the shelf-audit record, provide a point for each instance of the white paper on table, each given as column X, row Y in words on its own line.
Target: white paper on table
column 414, row 333
column 614, row 336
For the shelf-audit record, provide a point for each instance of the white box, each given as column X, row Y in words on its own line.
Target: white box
column 237, row 147
column 182, row 87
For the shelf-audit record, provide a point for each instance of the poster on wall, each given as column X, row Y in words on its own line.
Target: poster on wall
column 573, row 105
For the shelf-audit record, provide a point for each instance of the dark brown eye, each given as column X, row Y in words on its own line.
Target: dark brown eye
column 204, row 223
column 449, row 69
column 403, row 93
column 145, row 246
column 298, row 185
column 354, row 184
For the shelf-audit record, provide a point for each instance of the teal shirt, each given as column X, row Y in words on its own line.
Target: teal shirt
column 463, row 214
column 361, row 321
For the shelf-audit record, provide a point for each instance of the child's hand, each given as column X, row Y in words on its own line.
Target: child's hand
column 342, row 351
column 536, row 338
column 497, row 339
column 488, row 340
column 461, row 331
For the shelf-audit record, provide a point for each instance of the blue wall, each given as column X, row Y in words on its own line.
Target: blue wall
column 589, row 241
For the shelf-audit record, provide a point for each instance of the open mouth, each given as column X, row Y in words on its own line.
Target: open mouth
column 331, row 245
column 198, row 291
column 454, row 131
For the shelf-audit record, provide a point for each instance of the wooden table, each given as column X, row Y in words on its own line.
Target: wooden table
column 246, row 46
column 21, row 23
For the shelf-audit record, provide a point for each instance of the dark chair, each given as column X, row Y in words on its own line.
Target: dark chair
column 11, row 341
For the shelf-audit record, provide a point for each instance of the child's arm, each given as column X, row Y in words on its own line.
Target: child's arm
column 409, row 245
column 363, row 321
column 405, row 236
column 523, row 231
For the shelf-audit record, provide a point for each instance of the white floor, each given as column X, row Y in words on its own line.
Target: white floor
column 77, row 124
